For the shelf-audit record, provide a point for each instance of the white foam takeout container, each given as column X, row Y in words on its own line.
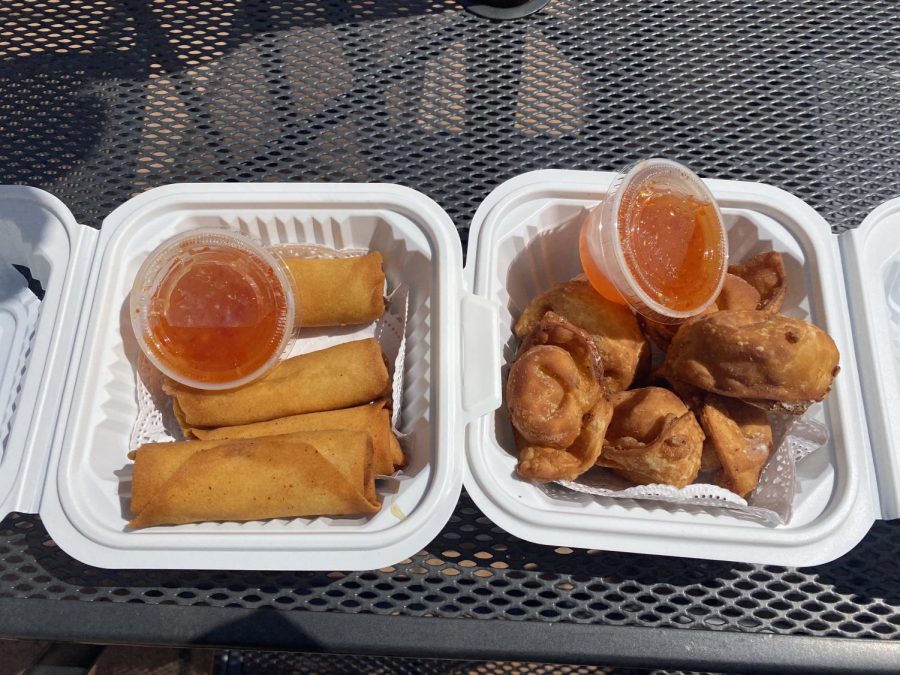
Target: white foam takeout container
column 66, row 453
column 524, row 238
column 74, row 384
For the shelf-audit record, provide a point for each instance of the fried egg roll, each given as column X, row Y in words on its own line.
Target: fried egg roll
column 305, row 474
column 337, row 377
column 338, row 291
column 374, row 418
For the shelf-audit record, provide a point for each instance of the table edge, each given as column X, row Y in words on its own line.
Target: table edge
column 445, row 638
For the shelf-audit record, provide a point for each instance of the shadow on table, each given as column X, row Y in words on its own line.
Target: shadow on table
column 49, row 119
column 56, row 66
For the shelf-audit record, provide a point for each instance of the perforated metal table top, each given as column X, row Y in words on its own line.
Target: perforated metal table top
column 100, row 100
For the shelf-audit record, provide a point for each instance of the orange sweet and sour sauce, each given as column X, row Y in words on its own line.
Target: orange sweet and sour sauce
column 216, row 318
column 672, row 245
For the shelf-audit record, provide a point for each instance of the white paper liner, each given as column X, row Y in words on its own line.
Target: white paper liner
column 156, row 421
column 794, row 438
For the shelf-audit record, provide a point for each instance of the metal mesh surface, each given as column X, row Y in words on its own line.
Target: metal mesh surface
column 474, row 569
column 103, row 99
column 100, row 100
column 234, row 662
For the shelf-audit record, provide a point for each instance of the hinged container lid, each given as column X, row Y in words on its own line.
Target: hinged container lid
column 39, row 233
column 871, row 255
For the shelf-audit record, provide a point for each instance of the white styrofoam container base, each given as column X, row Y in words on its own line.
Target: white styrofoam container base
column 524, row 238
column 85, row 505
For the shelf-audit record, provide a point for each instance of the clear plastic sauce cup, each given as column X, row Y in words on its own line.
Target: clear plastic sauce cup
column 212, row 309
column 656, row 242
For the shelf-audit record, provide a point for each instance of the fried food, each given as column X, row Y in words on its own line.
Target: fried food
column 555, row 402
column 543, row 464
column 769, row 360
column 640, row 413
column 337, row 291
column 624, row 352
column 555, row 330
column 652, row 438
column 690, row 395
column 740, row 437
column 305, row 474
column 709, row 460
column 373, row 418
column 765, row 273
column 344, row 375
column 659, row 333
column 735, row 294
column 545, row 397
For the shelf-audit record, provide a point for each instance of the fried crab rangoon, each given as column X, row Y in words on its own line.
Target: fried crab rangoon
column 739, row 437
column 543, row 464
column 765, row 273
column 545, row 399
column 623, row 350
column 556, row 331
column 724, row 370
column 774, row 362
column 652, row 438
column 735, row 294
column 555, row 403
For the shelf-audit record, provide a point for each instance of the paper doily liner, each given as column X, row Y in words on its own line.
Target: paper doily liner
column 794, row 438
column 156, row 421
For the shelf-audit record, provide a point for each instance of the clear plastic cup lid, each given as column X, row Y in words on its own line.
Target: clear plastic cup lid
column 212, row 309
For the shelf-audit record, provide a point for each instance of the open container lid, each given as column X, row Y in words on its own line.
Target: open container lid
column 37, row 232
column 871, row 255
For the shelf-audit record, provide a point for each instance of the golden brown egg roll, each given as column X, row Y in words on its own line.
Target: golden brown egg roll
column 159, row 461
column 307, row 474
column 338, row 291
column 374, row 418
column 337, row 377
